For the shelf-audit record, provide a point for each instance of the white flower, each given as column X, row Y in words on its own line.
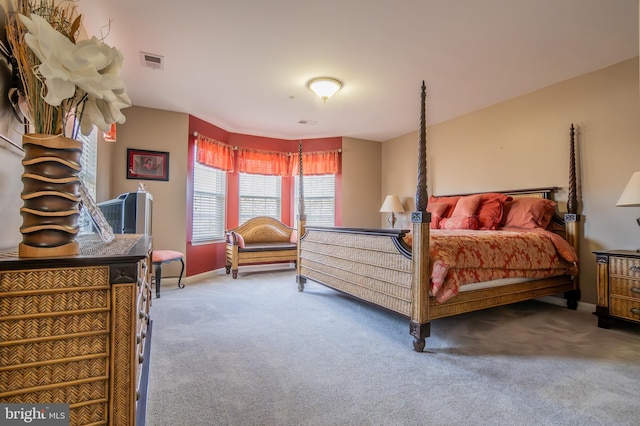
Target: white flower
column 91, row 66
column 102, row 113
column 101, row 75
column 55, row 52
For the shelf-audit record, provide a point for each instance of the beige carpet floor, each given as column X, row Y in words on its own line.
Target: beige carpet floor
column 255, row 351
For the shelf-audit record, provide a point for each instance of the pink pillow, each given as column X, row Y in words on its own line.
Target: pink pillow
column 294, row 236
column 491, row 209
column 239, row 239
column 459, row 222
column 528, row 212
column 437, row 210
column 449, row 201
column 467, row 205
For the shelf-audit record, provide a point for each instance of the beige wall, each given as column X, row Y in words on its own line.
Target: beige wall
column 157, row 130
column 399, row 167
column 523, row 143
column 361, row 177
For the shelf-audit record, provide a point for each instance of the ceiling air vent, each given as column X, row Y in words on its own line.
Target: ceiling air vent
column 150, row 60
column 308, row 122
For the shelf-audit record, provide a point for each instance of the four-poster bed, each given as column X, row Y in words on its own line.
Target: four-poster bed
column 392, row 268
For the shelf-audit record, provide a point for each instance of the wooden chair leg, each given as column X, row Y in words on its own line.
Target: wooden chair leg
column 158, row 278
column 180, row 285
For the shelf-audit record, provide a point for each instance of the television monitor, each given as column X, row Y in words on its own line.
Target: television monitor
column 129, row 213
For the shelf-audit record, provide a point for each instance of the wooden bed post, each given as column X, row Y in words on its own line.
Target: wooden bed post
column 419, row 326
column 571, row 219
column 302, row 218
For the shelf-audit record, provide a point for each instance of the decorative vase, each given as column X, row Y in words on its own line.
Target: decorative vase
column 50, row 195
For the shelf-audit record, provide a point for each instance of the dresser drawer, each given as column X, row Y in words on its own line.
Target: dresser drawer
column 625, row 287
column 625, row 308
column 624, row 267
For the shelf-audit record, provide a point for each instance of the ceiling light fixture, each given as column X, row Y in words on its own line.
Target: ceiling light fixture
column 324, row 87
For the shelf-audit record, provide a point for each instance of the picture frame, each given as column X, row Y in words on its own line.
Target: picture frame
column 147, row 165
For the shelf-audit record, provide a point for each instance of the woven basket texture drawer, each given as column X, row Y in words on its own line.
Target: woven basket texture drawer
column 625, row 308
column 39, row 279
column 625, row 287
column 42, row 375
column 624, row 267
column 25, row 353
column 96, row 391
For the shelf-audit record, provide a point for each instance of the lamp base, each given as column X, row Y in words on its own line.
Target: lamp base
column 392, row 219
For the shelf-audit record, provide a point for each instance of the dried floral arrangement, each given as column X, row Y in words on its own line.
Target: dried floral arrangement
column 66, row 84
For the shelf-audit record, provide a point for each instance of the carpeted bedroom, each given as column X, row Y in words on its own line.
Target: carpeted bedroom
column 255, row 351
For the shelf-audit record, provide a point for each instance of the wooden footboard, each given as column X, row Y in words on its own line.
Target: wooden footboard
column 365, row 263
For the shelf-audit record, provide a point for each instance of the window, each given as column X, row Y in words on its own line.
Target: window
column 259, row 195
column 88, row 173
column 319, row 199
column 209, row 185
column 89, row 160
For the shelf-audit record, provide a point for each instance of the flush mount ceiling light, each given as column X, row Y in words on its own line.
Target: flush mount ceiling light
column 324, row 87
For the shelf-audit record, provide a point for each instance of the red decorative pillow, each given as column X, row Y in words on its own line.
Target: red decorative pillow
column 528, row 212
column 459, row 222
column 449, row 201
column 437, row 210
column 548, row 214
column 467, row 205
column 490, row 210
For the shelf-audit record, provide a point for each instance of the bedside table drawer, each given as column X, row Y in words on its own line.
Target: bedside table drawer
column 624, row 308
column 624, row 267
column 618, row 286
column 625, row 287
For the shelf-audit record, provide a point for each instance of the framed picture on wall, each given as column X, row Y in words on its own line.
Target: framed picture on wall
column 147, row 165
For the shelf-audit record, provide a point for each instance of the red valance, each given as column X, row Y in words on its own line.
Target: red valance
column 248, row 160
column 214, row 154
column 262, row 162
column 315, row 163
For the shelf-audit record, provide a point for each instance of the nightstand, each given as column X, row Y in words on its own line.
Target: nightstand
column 618, row 284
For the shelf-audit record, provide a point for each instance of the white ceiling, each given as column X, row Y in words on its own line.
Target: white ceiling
column 243, row 64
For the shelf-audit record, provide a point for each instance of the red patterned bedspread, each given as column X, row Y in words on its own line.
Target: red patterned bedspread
column 464, row 256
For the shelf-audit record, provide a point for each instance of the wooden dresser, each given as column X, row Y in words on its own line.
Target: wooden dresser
column 618, row 282
column 77, row 330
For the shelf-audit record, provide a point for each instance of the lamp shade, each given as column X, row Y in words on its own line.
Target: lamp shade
column 324, row 87
column 392, row 204
column 631, row 195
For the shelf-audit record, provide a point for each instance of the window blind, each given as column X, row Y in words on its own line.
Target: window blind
column 319, row 199
column 209, row 188
column 89, row 160
column 88, row 174
column 259, row 195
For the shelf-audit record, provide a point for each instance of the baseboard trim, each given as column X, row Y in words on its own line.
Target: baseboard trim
column 259, row 268
column 217, row 272
column 582, row 306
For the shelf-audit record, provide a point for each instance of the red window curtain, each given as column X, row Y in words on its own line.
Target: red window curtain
column 262, row 162
column 214, row 154
column 315, row 163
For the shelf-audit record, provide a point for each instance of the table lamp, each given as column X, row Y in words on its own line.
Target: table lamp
column 392, row 205
column 631, row 195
